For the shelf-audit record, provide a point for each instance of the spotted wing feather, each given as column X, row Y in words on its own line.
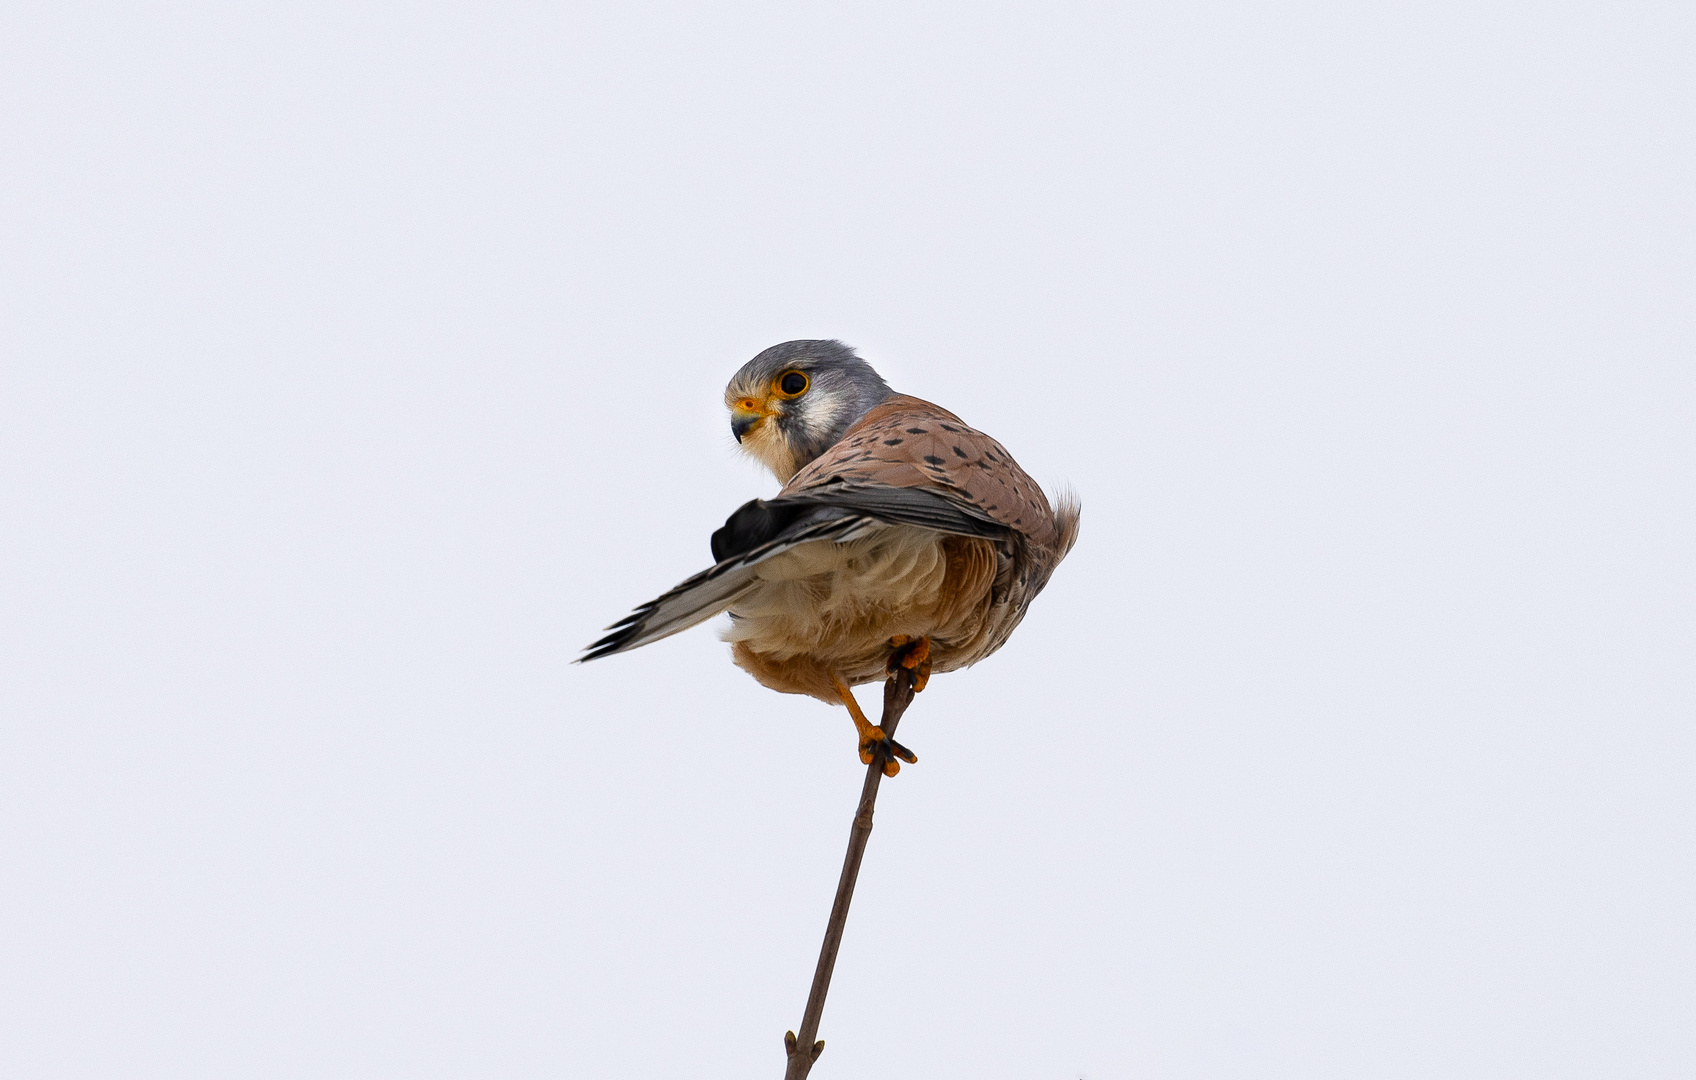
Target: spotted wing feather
column 910, row 443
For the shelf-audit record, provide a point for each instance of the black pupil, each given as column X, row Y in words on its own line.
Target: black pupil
column 793, row 383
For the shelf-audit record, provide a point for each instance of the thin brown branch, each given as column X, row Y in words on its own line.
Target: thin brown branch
column 803, row 1050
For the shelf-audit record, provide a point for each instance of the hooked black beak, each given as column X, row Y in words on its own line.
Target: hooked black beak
column 740, row 422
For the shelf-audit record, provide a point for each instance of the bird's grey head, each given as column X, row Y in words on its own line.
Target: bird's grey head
column 792, row 402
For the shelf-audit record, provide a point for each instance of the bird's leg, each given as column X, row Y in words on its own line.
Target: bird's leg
column 913, row 653
column 871, row 736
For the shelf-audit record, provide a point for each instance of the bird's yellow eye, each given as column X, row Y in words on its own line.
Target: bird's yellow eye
column 792, row 383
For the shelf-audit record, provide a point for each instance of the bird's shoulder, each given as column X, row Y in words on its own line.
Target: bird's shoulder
column 909, row 442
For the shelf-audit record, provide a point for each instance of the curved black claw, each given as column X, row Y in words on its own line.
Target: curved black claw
column 877, row 746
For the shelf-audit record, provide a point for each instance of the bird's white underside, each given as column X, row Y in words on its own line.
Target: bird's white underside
column 811, row 594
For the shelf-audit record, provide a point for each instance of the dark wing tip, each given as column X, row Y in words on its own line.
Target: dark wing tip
column 604, row 647
column 623, row 632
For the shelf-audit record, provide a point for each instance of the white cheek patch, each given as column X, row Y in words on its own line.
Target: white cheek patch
column 822, row 415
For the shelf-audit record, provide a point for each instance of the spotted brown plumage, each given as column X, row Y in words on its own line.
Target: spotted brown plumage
column 900, row 532
column 906, row 442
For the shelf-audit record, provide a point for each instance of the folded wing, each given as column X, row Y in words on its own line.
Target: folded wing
column 762, row 529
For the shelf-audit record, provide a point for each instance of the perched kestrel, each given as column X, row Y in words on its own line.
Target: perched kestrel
column 901, row 536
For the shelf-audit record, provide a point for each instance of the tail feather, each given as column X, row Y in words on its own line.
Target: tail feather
column 1068, row 509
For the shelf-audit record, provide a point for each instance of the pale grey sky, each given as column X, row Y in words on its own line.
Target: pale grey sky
column 359, row 362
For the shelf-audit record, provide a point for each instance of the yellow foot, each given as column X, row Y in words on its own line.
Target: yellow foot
column 913, row 654
column 873, row 742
